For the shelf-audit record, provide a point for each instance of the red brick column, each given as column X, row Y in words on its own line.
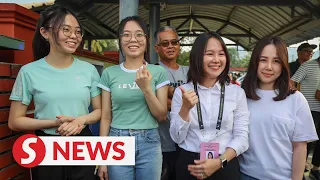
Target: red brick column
column 9, row 169
column 17, row 22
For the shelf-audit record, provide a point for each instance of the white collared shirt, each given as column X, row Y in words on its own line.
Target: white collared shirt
column 234, row 128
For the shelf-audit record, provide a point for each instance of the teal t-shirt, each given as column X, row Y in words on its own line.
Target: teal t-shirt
column 129, row 107
column 55, row 91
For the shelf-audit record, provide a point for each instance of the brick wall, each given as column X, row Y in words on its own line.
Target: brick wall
column 9, row 169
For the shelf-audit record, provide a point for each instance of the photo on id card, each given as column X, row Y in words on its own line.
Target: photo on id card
column 209, row 150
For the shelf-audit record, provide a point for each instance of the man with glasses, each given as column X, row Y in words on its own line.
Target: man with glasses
column 305, row 52
column 168, row 47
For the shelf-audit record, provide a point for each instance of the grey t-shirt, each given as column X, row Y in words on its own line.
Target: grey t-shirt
column 176, row 78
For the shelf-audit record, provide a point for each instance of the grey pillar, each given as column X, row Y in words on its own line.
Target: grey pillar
column 154, row 24
column 127, row 8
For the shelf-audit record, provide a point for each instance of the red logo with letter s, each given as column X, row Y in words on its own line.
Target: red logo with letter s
column 29, row 150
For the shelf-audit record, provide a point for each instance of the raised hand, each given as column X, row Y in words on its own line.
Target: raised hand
column 143, row 79
column 189, row 98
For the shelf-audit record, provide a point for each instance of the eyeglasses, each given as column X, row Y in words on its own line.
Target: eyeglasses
column 67, row 31
column 308, row 51
column 139, row 36
column 173, row 42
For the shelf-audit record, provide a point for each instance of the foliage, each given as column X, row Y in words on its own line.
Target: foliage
column 235, row 60
column 112, row 45
column 245, row 60
column 183, row 58
column 99, row 46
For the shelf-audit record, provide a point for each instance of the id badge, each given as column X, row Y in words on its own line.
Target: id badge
column 209, row 150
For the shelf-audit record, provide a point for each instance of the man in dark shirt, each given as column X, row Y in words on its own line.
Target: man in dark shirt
column 305, row 52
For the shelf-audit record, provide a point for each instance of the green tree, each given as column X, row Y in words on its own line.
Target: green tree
column 183, row 58
column 112, row 45
column 236, row 61
column 234, row 57
column 101, row 45
column 244, row 62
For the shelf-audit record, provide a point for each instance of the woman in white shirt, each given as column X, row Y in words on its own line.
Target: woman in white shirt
column 227, row 134
column 280, row 119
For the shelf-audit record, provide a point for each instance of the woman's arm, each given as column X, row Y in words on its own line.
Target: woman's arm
column 182, row 102
column 105, row 122
column 21, row 97
column 19, row 122
column 157, row 103
column 95, row 115
column 240, row 131
column 170, row 95
column 298, row 159
column 106, row 115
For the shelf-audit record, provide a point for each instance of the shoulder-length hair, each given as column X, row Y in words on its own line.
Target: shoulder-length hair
column 251, row 80
column 196, row 72
column 144, row 28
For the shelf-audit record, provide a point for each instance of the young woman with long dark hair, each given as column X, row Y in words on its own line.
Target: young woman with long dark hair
column 134, row 99
column 61, row 87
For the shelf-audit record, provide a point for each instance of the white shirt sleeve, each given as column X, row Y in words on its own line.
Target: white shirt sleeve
column 304, row 128
column 178, row 127
column 240, row 142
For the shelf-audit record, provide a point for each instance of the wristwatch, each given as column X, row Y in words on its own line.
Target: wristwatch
column 224, row 161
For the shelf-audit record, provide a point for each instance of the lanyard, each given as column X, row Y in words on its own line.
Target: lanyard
column 219, row 121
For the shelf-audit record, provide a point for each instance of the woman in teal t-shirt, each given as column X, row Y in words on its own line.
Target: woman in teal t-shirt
column 134, row 99
column 62, row 88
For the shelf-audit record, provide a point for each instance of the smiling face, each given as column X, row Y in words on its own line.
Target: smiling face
column 214, row 59
column 133, row 40
column 69, row 36
column 269, row 67
column 168, row 45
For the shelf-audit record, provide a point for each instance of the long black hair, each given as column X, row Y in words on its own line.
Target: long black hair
column 144, row 28
column 52, row 17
